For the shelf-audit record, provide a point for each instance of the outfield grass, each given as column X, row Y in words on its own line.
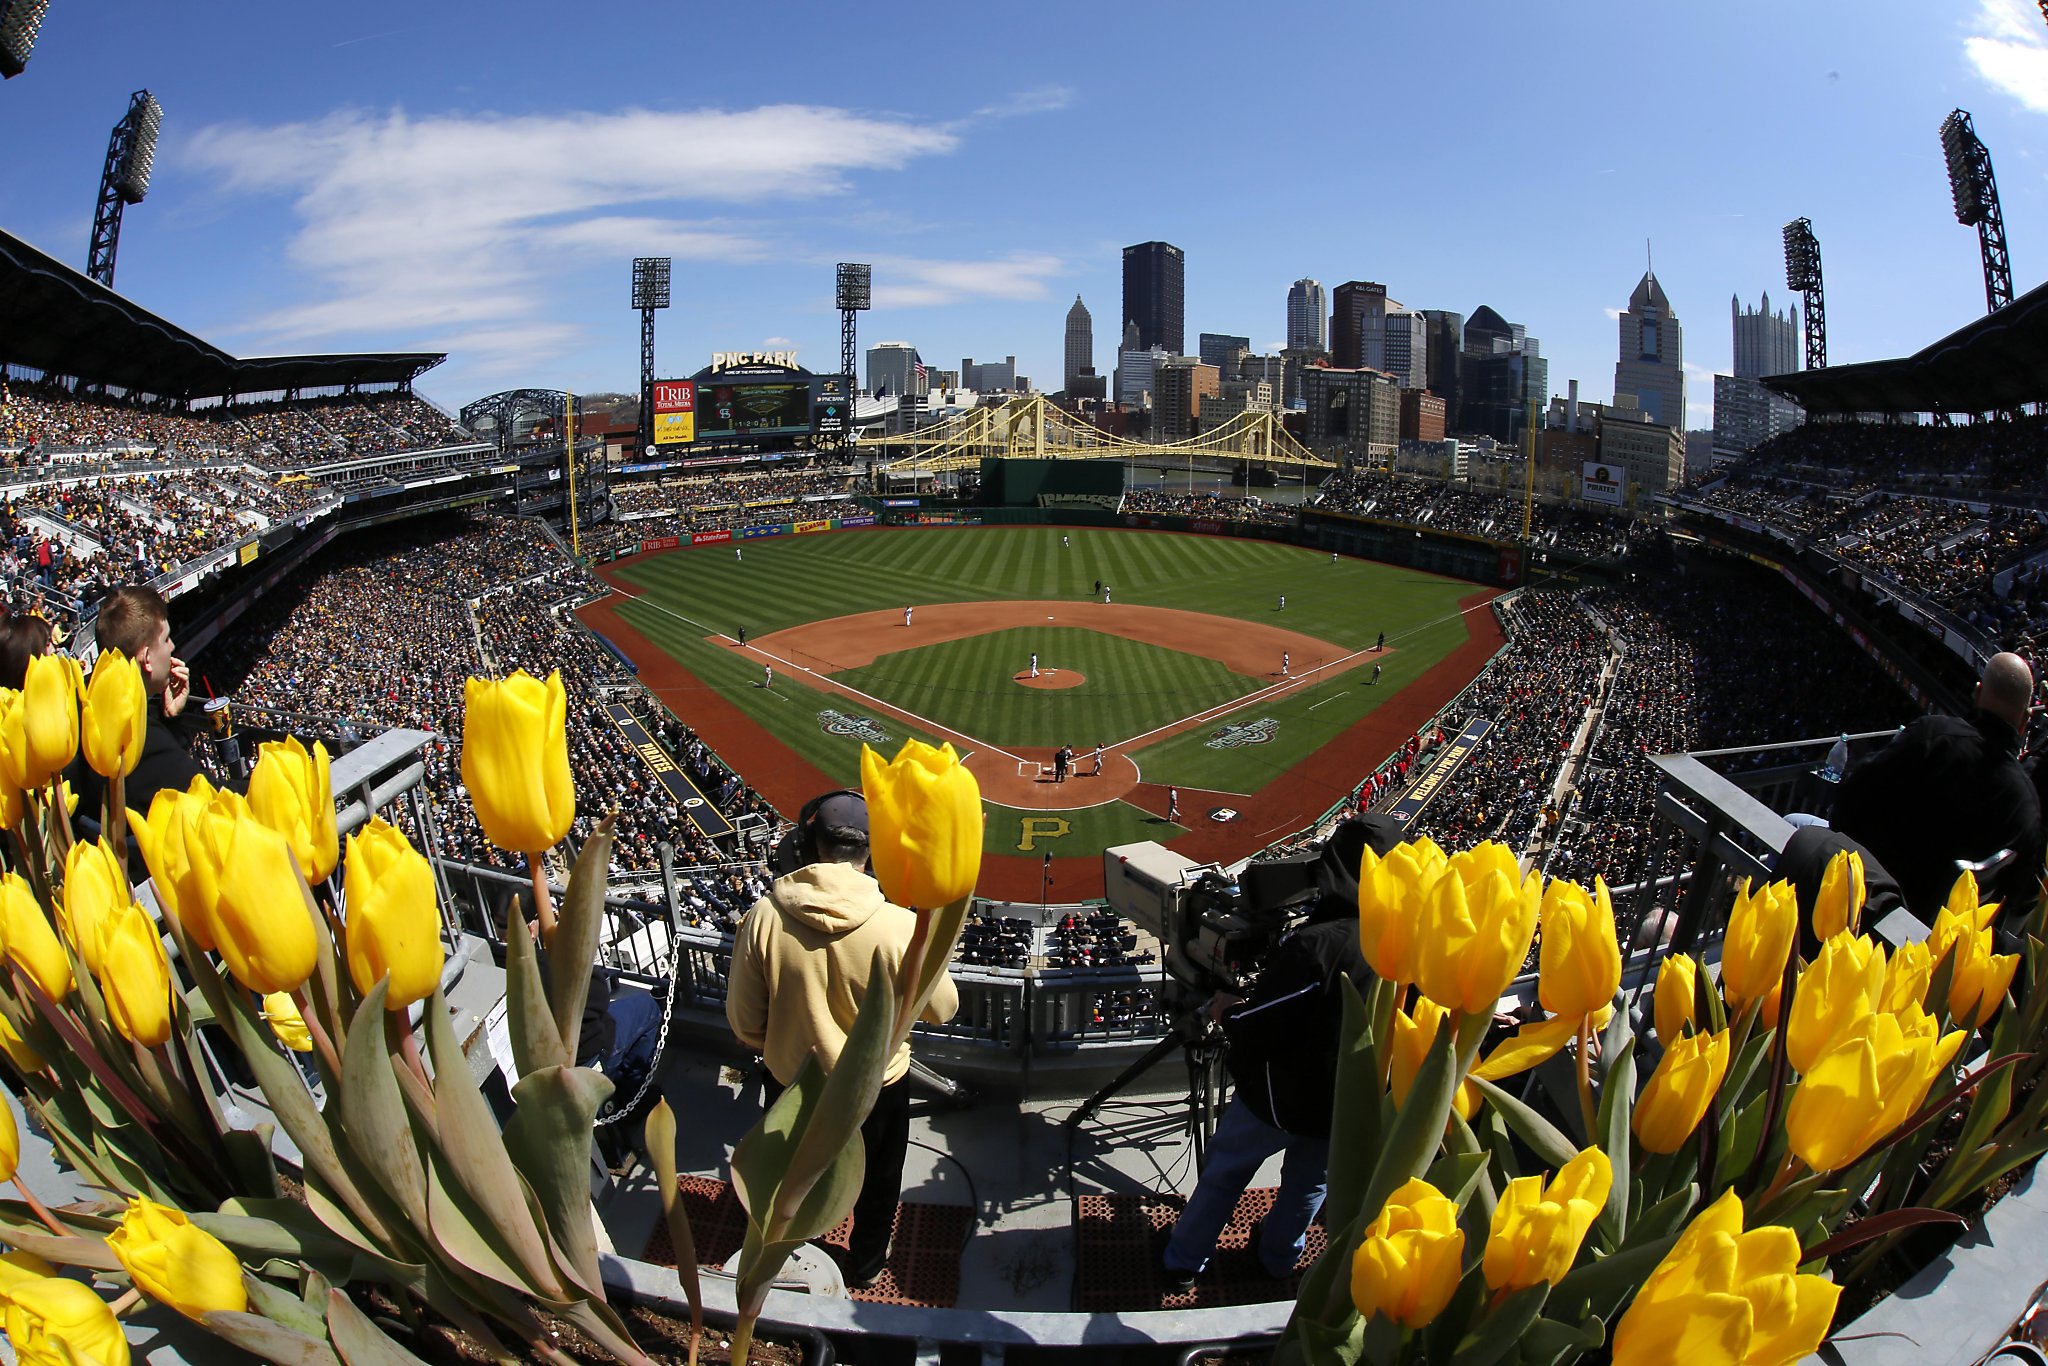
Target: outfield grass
column 966, row 685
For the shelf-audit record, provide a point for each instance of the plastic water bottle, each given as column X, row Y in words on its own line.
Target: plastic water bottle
column 1837, row 762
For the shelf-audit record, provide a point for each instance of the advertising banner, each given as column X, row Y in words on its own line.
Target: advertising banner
column 901, row 502
column 710, row 537
column 756, row 531
column 687, row 795
column 660, row 543
column 1448, row 760
column 1510, row 572
column 1599, row 483
column 865, row 519
column 807, row 528
column 675, row 412
column 248, row 552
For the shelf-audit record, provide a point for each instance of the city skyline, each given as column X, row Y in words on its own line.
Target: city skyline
column 380, row 185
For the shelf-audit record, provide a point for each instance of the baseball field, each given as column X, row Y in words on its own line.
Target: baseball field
column 1235, row 688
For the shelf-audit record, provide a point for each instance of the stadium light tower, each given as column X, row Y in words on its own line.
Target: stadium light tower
column 650, row 291
column 1976, row 195
column 20, row 21
column 131, row 151
column 1802, row 273
column 856, row 295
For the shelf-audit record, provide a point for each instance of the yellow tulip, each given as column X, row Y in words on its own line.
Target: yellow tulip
column 1408, row 1266
column 281, row 1013
column 12, row 808
column 56, row 1321
column 95, row 887
column 1580, row 957
column 10, row 1138
column 1687, row 1079
column 515, row 760
column 1537, row 1230
column 1839, row 905
column 1761, row 928
column 393, row 926
column 135, row 978
column 924, row 824
column 176, row 1263
column 18, row 1268
column 163, row 836
column 13, row 740
column 264, row 922
column 290, row 791
column 1675, row 1001
column 116, row 712
column 1839, row 987
column 1723, row 1295
column 1390, row 905
column 32, row 946
column 50, row 699
column 1962, row 899
column 1866, row 1085
column 1906, row 977
column 1478, row 918
column 1979, row 978
column 1414, row 1031
column 17, row 1049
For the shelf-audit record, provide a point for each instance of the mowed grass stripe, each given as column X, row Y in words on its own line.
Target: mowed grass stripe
column 970, row 686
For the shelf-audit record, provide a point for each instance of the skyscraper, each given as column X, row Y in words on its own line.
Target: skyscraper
column 1155, row 294
column 1080, row 344
column 1403, row 348
column 1359, row 303
column 895, row 368
column 1220, row 350
column 1501, row 371
column 1766, row 343
column 1307, row 325
column 1652, row 361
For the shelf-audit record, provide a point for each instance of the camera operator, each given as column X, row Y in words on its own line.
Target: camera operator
column 1283, row 1058
column 800, row 969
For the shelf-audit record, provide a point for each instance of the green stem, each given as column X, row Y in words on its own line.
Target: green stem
column 1583, row 1066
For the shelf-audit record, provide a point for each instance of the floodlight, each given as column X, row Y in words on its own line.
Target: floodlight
column 1965, row 154
column 145, row 119
column 856, row 286
column 1802, row 255
column 20, row 21
column 650, row 281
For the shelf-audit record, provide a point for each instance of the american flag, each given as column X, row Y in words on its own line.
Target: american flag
column 920, row 373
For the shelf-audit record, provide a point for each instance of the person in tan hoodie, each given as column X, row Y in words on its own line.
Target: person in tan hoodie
column 800, row 967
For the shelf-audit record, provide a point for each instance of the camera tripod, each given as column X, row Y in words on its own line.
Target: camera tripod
column 1200, row 1041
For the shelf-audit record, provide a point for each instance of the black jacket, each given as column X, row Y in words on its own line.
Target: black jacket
column 1946, row 789
column 166, row 762
column 1283, row 1036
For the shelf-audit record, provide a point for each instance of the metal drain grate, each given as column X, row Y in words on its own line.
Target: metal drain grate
column 924, row 1254
column 1118, row 1239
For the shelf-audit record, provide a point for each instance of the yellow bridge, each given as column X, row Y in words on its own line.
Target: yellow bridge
column 1027, row 427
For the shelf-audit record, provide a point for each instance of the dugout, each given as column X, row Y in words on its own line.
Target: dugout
column 1052, row 483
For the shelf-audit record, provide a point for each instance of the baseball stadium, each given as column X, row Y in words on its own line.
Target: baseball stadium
column 424, row 822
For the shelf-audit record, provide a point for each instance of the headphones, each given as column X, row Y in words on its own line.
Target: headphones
column 799, row 848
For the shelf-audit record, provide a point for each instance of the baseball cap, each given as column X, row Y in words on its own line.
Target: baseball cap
column 841, row 811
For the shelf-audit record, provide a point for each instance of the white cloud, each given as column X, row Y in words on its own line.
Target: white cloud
column 2009, row 48
column 1613, row 314
column 776, row 343
column 442, row 231
column 1044, row 99
column 910, row 282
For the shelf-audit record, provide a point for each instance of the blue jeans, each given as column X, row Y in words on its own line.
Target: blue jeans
column 1243, row 1141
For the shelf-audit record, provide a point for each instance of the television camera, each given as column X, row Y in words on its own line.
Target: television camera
column 1215, row 926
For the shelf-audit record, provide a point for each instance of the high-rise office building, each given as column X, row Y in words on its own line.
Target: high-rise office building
column 1307, row 322
column 1080, row 353
column 1359, row 304
column 1766, row 343
column 1652, row 361
column 990, row 377
column 1180, row 383
column 1355, row 411
column 1155, row 294
column 895, row 368
column 1446, row 345
column 1501, row 371
column 1220, row 350
column 1403, row 347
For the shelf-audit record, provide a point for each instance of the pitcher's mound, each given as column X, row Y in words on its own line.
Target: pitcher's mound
column 1050, row 678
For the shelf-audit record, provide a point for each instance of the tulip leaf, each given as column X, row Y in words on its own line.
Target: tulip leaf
column 577, row 933
column 1419, row 1123
column 603, row 1324
column 661, row 1150
column 1604, row 1282
column 267, row 1341
column 361, row 1342
column 254, row 1161
column 1877, row 1226
column 1457, row 1175
column 1467, row 1305
column 1500, row 1331
column 1665, row 1217
column 463, row 1234
column 942, row 935
column 90, row 1253
column 373, row 1113
column 257, row 1229
column 283, row 1308
column 1547, row 1342
column 843, row 1100
column 1617, row 1095
column 473, row 1151
column 536, row 1043
column 1551, row 1147
column 1355, row 1110
column 549, row 1137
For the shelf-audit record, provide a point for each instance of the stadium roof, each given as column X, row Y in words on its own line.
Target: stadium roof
column 54, row 319
column 1998, row 362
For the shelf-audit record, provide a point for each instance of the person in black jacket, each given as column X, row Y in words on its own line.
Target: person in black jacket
column 1283, row 1041
column 135, row 620
column 1949, row 788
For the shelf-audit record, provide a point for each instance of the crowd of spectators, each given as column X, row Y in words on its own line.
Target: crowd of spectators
column 383, row 630
column 1220, row 507
column 1576, row 532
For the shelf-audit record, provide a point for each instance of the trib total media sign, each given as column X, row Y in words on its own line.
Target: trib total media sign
column 675, row 412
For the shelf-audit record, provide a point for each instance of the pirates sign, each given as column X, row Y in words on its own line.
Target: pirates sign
column 859, row 727
column 1259, row 732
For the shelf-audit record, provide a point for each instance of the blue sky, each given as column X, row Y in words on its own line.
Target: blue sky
column 475, row 178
